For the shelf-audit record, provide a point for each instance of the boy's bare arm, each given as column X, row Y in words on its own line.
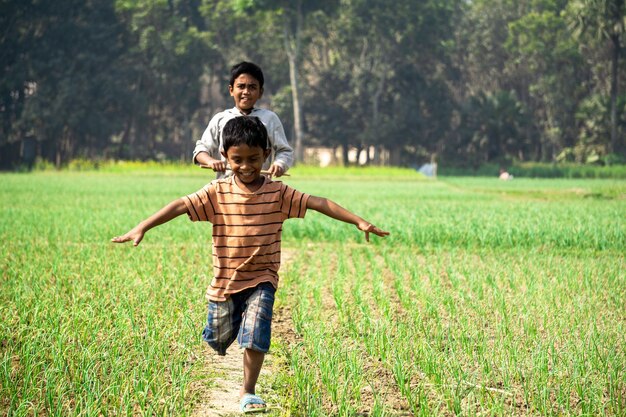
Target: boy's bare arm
column 334, row 210
column 167, row 213
column 276, row 170
column 203, row 158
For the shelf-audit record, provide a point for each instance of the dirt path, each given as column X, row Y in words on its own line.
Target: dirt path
column 222, row 398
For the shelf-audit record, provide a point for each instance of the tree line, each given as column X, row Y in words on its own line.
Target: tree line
column 465, row 82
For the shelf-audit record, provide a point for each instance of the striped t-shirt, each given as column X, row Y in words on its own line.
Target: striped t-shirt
column 246, row 231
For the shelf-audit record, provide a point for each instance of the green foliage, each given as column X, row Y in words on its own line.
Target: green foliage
column 471, row 82
column 606, row 19
column 614, row 168
column 602, row 18
column 593, row 116
column 610, row 167
column 375, row 79
column 540, row 45
column 360, row 173
column 493, row 128
column 58, row 64
column 170, row 49
column 478, row 285
column 86, row 337
column 567, row 170
column 455, row 332
column 446, row 310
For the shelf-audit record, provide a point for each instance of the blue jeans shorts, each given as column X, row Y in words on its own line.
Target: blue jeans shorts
column 245, row 316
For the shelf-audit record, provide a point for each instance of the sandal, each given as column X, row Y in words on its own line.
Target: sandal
column 251, row 399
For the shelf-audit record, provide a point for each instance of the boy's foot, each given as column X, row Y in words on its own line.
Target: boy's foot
column 251, row 403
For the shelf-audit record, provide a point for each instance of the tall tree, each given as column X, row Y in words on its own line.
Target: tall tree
column 480, row 47
column 68, row 95
column 170, row 47
column 17, row 38
column 386, row 65
column 606, row 19
column 546, row 69
column 290, row 16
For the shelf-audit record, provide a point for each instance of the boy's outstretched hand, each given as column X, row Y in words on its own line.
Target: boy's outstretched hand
column 135, row 234
column 370, row 228
column 167, row 213
column 334, row 210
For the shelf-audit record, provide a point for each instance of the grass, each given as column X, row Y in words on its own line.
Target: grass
column 542, row 170
column 464, row 332
column 489, row 297
column 91, row 328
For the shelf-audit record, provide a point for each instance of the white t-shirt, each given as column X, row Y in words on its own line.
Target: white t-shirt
column 211, row 141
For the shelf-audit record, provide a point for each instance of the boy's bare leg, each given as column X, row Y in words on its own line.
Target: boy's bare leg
column 252, row 363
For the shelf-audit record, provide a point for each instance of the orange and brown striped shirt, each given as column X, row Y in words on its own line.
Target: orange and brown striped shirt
column 246, row 231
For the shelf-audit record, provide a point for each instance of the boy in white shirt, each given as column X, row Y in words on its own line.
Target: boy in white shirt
column 246, row 88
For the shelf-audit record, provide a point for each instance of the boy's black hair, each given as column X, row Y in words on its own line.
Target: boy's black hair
column 244, row 130
column 246, row 68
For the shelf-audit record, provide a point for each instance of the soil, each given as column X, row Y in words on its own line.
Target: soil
column 221, row 399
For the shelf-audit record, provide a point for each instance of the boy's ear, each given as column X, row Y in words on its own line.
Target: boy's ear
column 266, row 153
column 261, row 92
column 230, row 89
column 224, row 154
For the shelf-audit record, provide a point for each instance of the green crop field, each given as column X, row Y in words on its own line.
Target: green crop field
column 488, row 298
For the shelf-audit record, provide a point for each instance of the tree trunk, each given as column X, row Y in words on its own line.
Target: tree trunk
column 344, row 153
column 63, row 148
column 395, row 156
column 125, row 141
column 292, row 49
column 58, row 159
column 614, row 147
column 297, row 109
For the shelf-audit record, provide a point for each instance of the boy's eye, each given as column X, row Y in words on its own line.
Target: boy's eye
column 243, row 86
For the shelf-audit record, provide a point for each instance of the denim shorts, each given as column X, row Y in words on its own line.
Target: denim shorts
column 245, row 316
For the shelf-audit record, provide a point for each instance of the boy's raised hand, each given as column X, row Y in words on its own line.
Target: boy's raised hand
column 135, row 234
column 370, row 228
column 276, row 170
column 215, row 165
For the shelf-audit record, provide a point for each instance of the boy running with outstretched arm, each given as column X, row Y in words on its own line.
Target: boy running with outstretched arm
column 247, row 211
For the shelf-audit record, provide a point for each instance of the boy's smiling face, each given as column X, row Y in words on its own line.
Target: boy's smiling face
column 246, row 163
column 246, row 90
